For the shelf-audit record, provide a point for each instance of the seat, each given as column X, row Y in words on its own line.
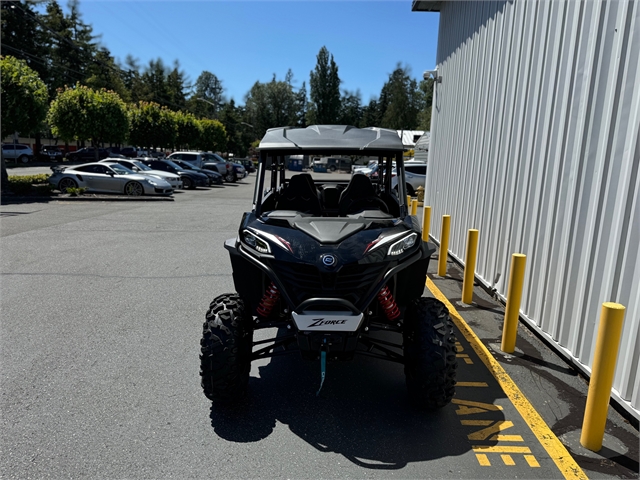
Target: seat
column 300, row 196
column 359, row 195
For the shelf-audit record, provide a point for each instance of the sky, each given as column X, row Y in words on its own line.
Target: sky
column 242, row 42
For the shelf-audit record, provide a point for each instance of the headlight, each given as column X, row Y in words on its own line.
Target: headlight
column 401, row 245
column 256, row 243
column 151, row 182
column 387, row 239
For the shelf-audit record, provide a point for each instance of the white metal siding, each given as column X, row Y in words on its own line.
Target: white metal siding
column 535, row 142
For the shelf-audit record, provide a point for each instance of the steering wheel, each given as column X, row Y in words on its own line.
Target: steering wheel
column 362, row 203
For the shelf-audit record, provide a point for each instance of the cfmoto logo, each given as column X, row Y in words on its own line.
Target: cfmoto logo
column 329, row 260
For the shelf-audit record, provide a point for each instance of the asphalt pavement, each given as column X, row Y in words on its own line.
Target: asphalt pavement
column 102, row 308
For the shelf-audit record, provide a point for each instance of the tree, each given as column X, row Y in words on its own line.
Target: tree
column 70, row 45
column 371, row 114
column 272, row 104
column 24, row 100
column 350, row 109
column 104, row 74
column 154, row 80
column 324, row 107
column 187, row 130
column 152, row 125
column 22, row 36
column 176, row 87
column 24, row 97
column 82, row 113
column 213, row 136
column 207, row 99
column 403, row 100
column 424, row 117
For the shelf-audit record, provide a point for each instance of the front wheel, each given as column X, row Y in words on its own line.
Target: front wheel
column 225, row 359
column 231, row 177
column 133, row 189
column 429, row 354
column 188, row 184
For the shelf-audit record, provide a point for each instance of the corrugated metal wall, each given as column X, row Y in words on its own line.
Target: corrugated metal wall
column 535, row 142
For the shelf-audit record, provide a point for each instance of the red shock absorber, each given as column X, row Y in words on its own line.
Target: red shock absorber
column 388, row 303
column 269, row 299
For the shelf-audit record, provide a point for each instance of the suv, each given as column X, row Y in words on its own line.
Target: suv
column 198, row 159
column 415, row 176
column 17, row 152
column 337, row 267
column 51, row 153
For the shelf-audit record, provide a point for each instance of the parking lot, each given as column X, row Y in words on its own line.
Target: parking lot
column 102, row 311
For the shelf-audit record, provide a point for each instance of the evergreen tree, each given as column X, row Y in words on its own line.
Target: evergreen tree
column 351, row 111
column 404, row 102
column 324, row 82
column 207, row 98
column 176, row 87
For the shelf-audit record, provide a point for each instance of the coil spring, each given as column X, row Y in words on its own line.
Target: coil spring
column 388, row 303
column 268, row 301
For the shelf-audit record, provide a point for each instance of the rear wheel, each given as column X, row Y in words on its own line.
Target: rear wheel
column 410, row 190
column 23, row 159
column 429, row 353
column 225, row 360
column 332, row 168
column 66, row 183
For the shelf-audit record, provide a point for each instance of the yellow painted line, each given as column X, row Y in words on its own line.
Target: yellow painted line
column 500, row 449
column 483, row 460
column 531, row 460
column 472, row 384
column 556, row 450
column 508, row 460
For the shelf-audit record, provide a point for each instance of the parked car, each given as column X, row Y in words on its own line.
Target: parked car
column 138, row 167
column 130, row 152
column 107, row 178
column 87, row 154
column 246, row 163
column 190, row 178
column 51, row 153
column 197, row 159
column 415, row 175
column 214, row 177
column 17, row 152
column 239, row 170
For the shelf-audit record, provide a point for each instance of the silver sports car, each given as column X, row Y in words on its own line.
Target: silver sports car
column 107, row 178
column 137, row 166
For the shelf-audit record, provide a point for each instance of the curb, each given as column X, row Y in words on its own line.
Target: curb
column 6, row 199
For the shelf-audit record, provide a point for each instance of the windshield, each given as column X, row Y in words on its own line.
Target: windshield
column 120, row 170
column 142, row 166
column 185, row 165
column 174, row 165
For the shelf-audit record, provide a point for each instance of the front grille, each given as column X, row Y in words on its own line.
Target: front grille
column 351, row 282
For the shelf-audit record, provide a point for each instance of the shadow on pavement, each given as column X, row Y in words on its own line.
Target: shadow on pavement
column 362, row 413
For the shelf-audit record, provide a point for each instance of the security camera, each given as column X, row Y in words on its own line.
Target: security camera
column 430, row 73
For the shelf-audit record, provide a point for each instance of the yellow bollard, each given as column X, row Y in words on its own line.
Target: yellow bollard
column 514, row 296
column 426, row 224
column 470, row 266
column 604, row 366
column 444, row 245
column 414, row 206
column 409, row 203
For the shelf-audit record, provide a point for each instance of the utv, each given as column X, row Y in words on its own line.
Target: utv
column 333, row 263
